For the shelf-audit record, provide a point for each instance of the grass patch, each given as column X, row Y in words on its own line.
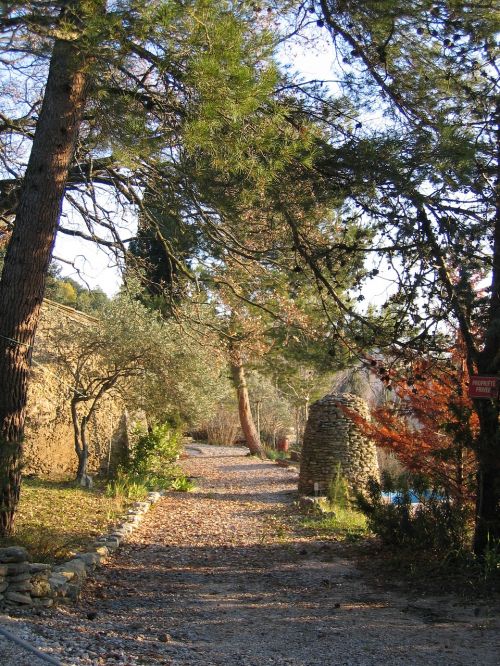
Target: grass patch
column 274, row 454
column 55, row 519
column 343, row 523
column 338, row 515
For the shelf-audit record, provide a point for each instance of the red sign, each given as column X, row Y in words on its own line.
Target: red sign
column 483, row 387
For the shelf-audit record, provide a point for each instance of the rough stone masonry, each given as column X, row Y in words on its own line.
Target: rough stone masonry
column 331, row 439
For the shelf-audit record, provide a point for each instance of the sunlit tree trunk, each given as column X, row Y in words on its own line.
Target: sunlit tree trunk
column 29, row 252
column 246, row 420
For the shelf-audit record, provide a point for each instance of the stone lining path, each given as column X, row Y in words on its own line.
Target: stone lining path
column 214, row 577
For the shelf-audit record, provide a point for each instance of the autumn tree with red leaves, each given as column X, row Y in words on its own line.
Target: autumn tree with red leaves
column 430, row 425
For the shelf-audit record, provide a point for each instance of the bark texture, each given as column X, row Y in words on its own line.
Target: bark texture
column 29, row 252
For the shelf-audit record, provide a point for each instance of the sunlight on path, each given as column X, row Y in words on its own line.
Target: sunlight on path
column 219, row 576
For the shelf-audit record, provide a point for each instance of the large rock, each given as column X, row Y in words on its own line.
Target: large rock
column 75, row 566
column 22, row 586
column 17, row 568
column 91, row 560
column 37, row 567
column 19, row 578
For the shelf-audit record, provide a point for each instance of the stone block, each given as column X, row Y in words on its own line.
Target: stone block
column 44, row 602
column 77, row 566
column 112, row 544
column 17, row 568
column 91, row 560
column 22, row 586
column 37, row 567
column 141, row 506
column 19, row 578
column 62, row 573
column 58, row 585
column 18, row 598
column 101, row 550
column 13, row 554
column 74, row 591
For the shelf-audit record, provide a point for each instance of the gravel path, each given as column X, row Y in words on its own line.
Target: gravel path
column 216, row 577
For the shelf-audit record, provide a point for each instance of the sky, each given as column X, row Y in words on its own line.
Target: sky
column 92, row 265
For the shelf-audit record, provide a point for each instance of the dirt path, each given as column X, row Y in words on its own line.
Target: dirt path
column 213, row 577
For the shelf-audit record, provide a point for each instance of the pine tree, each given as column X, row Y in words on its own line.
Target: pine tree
column 427, row 182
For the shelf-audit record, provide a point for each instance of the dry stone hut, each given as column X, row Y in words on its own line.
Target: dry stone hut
column 331, row 439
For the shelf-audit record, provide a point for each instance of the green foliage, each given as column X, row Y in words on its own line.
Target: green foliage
column 155, row 365
column 273, row 454
column 339, row 516
column 128, row 487
column 150, row 465
column 345, row 524
column 435, row 524
column 68, row 292
column 491, row 560
column 338, row 491
column 182, row 484
column 154, row 451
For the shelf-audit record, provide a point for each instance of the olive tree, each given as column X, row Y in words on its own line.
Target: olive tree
column 131, row 351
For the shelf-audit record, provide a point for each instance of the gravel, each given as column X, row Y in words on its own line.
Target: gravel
column 217, row 576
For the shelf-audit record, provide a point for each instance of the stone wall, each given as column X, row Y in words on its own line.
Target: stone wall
column 49, row 446
column 332, row 439
column 23, row 583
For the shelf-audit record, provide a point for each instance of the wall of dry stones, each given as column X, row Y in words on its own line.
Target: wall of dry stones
column 28, row 584
column 331, row 439
column 49, row 445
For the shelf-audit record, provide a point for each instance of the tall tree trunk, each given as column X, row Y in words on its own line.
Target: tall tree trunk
column 246, row 420
column 28, row 255
column 487, row 530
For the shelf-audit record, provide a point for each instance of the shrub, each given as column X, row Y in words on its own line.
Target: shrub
column 223, row 428
column 150, row 465
column 135, row 487
column 273, row 454
column 435, row 523
column 340, row 515
column 154, row 451
column 182, row 484
column 128, row 486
